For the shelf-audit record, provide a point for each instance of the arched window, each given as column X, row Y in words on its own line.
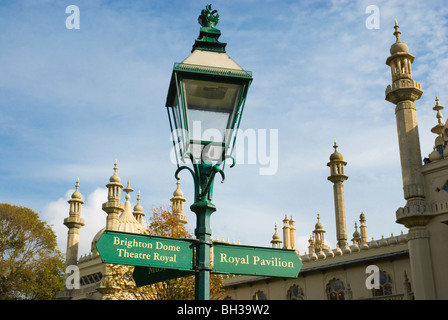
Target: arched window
column 295, row 292
column 385, row 285
column 259, row 295
column 335, row 290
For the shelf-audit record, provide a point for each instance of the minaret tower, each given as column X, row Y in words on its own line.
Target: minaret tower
column 286, row 234
column 337, row 176
column 403, row 92
column 74, row 222
column 363, row 227
column 177, row 202
column 292, row 233
column 113, row 207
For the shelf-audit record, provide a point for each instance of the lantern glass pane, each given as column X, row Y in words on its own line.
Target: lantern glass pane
column 211, row 107
column 179, row 126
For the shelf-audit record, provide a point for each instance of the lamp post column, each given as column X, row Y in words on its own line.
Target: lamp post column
column 203, row 211
column 210, row 88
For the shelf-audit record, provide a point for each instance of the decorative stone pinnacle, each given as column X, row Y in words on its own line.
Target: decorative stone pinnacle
column 128, row 190
column 115, row 178
column 437, row 108
column 397, row 32
column 439, row 127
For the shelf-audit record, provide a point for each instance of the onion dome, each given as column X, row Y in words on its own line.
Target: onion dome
column 115, row 178
column 347, row 249
column 338, row 251
column 356, row 234
column 383, row 242
column 392, row 240
column 138, row 207
column 362, row 216
column 321, row 255
column 398, row 46
column 305, row 257
column 276, row 241
column 178, row 192
column 275, row 236
column 336, row 156
column 364, row 246
column 402, row 238
column 77, row 195
column 373, row 243
column 329, row 253
column 318, row 225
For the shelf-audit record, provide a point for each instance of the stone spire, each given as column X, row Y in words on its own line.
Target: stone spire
column 437, row 153
column 356, row 235
column 113, row 207
column 363, row 227
column 127, row 221
column 337, row 176
column 177, row 204
column 276, row 241
column 319, row 235
column 138, row 210
column 292, row 233
column 286, row 234
column 74, row 222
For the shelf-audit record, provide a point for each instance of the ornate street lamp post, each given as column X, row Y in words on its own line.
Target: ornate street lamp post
column 205, row 102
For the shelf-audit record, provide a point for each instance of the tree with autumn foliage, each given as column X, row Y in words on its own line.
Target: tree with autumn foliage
column 164, row 223
column 31, row 267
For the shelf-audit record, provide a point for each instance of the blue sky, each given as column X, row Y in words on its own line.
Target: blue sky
column 73, row 101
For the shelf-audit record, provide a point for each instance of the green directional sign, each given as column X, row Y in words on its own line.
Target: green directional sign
column 148, row 251
column 260, row 261
column 147, row 275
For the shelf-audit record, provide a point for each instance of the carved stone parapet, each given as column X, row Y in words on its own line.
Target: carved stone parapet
column 337, row 178
column 403, row 89
column 113, row 206
column 74, row 222
column 415, row 214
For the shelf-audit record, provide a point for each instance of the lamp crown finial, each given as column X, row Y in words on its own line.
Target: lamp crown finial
column 208, row 18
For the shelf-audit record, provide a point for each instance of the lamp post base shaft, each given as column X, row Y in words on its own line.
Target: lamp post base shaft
column 203, row 211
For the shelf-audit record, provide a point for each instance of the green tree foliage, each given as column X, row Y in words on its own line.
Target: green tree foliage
column 31, row 267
